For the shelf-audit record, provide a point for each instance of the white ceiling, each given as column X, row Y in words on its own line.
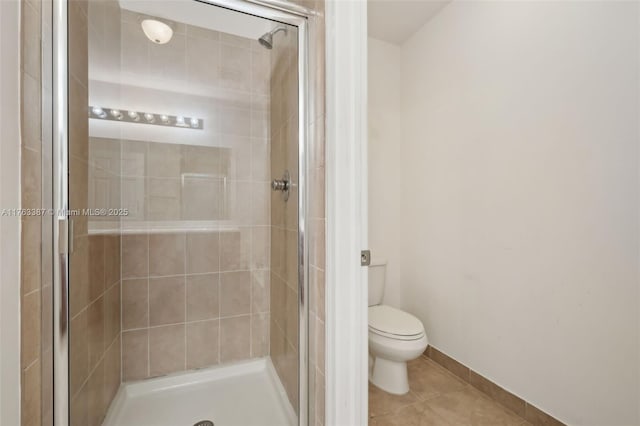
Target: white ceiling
column 397, row 20
column 202, row 15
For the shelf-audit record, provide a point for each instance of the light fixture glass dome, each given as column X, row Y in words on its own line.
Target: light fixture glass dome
column 157, row 31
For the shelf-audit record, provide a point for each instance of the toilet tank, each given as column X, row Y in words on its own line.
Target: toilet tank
column 377, row 276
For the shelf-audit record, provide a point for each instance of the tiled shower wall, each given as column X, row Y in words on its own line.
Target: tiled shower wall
column 284, row 215
column 193, row 300
column 284, row 127
column 95, row 259
column 35, row 285
column 36, row 391
column 196, row 299
column 317, row 221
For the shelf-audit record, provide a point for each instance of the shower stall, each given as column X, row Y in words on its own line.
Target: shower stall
column 180, row 164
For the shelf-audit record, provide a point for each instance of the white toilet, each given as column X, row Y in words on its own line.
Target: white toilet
column 395, row 337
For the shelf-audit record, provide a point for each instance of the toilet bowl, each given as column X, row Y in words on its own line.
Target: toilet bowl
column 395, row 337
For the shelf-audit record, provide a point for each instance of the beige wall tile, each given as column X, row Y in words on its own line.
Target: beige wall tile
column 260, row 203
column 112, row 371
column 203, row 59
column 30, row 317
column 31, row 60
column 30, row 404
column 112, row 259
column 240, row 202
column 291, row 258
column 234, row 57
column 166, row 349
column 291, row 317
column 235, row 250
column 135, row 303
column 260, row 247
column 200, row 159
column 31, row 179
column 164, row 199
column 135, row 256
column 235, row 79
column 135, row 355
column 164, row 160
column 30, row 260
column 166, row 300
column 317, row 284
column 260, row 289
column 112, row 312
column 202, row 198
column 234, row 40
column 240, row 155
column 203, row 297
column 166, row 254
column 79, row 191
column 277, row 299
column 79, row 276
column 169, row 62
column 78, row 43
column 79, row 122
column 260, row 127
column 235, row 293
column 202, row 32
column 78, row 352
column 79, row 410
column 96, row 266
column 235, row 338
column 278, row 250
column 202, row 344
column 317, row 249
column 203, row 252
column 96, row 408
column 260, row 162
column 320, row 343
column 259, row 335
column 320, row 398
column 31, row 112
column 95, row 330
column 236, row 122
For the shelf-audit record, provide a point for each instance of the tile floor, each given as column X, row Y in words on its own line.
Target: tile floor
column 437, row 398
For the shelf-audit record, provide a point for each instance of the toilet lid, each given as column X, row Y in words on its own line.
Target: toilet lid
column 392, row 321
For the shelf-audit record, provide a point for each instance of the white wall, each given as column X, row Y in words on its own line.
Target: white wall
column 9, row 226
column 385, row 186
column 519, row 169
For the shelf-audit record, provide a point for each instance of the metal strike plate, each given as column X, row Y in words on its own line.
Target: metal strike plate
column 365, row 258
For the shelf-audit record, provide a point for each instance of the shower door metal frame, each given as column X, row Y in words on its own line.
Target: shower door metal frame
column 275, row 10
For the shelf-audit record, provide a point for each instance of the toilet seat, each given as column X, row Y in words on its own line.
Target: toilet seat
column 395, row 324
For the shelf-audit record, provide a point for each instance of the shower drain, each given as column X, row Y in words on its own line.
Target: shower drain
column 204, row 423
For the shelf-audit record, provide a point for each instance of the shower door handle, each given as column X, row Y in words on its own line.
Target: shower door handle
column 283, row 185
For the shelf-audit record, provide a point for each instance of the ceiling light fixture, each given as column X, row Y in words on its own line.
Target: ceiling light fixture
column 157, row 31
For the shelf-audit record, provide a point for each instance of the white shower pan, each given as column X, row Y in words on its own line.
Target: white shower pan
column 242, row 394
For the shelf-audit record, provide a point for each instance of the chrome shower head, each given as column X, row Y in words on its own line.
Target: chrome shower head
column 267, row 38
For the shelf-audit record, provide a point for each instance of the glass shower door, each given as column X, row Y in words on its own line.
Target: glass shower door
column 185, row 264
